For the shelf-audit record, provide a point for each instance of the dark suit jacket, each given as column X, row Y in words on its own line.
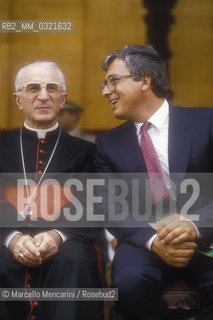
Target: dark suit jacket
column 190, row 150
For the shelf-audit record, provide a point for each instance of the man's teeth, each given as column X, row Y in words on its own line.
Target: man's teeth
column 114, row 101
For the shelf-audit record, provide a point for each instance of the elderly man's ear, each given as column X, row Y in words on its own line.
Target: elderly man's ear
column 63, row 99
column 17, row 98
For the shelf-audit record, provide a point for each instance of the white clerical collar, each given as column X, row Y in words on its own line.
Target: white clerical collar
column 41, row 132
column 158, row 119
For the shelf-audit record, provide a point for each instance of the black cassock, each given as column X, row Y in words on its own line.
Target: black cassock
column 76, row 263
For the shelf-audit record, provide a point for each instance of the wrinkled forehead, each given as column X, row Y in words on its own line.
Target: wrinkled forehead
column 40, row 73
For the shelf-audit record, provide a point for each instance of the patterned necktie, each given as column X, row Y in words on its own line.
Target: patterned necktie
column 156, row 179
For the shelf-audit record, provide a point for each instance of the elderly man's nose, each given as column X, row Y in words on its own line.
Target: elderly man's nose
column 43, row 94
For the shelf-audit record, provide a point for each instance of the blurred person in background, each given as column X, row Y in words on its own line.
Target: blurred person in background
column 69, row 118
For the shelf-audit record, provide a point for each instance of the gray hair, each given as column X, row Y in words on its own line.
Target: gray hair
column 143, row 61
column 21, row 72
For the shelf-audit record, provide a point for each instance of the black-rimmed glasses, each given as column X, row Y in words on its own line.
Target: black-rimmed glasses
column 112, row 80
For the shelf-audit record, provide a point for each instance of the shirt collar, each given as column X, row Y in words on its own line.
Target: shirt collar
column 41, row 133
column 158, row 119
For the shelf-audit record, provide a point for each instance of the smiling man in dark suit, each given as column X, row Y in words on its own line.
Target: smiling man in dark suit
column 158, row 140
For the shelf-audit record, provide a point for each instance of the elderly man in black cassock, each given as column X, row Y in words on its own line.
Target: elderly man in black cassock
column 39, row 257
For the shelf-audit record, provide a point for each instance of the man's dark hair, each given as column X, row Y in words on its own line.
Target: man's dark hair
column 143, row 61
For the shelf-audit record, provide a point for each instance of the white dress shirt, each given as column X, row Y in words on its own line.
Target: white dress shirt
column 159, row 133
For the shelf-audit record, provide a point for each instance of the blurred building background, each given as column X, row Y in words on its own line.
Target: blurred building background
column 181, row 30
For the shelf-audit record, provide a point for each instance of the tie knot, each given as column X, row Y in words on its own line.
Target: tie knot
column 145, row 126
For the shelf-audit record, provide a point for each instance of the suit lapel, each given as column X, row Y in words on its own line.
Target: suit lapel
column 179, row 143
column 129, row 149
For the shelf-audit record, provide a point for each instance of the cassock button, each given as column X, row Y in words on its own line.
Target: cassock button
column 32, row 318
column 40, row 172
column 41, row 162
column 43, row 141
column 35, row 303
column 42, row 151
